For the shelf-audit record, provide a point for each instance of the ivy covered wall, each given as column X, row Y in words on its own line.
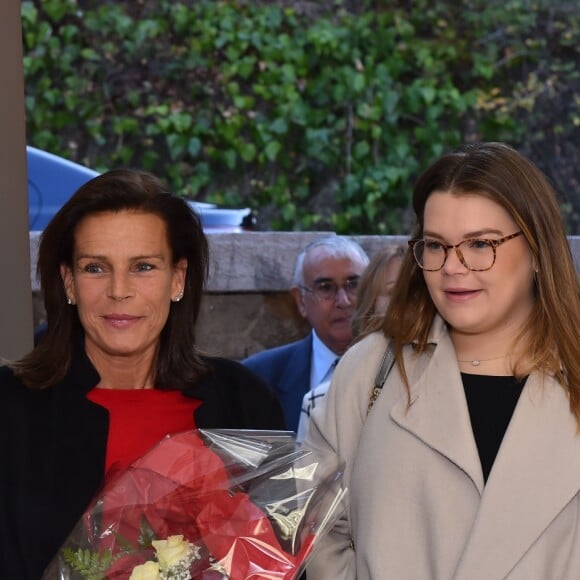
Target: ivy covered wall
column 318, row 115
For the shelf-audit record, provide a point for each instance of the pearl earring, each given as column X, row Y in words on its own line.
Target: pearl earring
column 69, row 301
column 178, row 297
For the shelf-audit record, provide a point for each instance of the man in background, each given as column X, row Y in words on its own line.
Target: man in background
column 372, row 299
column 324, row 288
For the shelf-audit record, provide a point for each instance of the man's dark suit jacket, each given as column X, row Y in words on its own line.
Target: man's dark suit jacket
column 286, row 369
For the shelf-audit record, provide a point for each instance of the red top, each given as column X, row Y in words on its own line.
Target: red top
column 139, row 418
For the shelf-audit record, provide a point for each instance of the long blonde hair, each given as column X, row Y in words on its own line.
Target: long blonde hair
column 503, row 175
column 372, row 285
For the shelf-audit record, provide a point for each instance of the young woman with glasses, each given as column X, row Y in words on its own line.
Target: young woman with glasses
column 467, row 467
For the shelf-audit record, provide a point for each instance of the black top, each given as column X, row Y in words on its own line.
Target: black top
column 53, row 445
column 491, row 402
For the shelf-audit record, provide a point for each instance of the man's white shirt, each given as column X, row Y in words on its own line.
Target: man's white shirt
column 321, row 369
column 322, row 363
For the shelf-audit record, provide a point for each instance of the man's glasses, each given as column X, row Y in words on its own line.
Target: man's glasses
column 476, row 254
column 328, row 290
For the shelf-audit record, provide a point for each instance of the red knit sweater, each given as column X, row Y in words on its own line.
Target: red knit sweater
column 139, row 418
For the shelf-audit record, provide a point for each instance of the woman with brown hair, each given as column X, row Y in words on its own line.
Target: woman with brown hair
column 467, row 466
column 122, row 266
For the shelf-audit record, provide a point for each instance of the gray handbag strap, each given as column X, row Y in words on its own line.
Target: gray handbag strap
column 385, row 367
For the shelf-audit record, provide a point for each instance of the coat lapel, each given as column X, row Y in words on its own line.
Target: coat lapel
column 438, row 414
column 535, row 474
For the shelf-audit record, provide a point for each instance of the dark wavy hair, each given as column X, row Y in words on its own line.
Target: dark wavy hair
column 498, row 172
column 178, row 361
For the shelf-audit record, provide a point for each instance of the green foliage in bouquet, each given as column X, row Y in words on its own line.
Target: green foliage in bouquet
column 317, row 115
column 90, row 565
column 146, row 535
column 93, row 565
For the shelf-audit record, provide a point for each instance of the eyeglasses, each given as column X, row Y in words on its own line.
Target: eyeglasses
column 328, row 290
column 476, row 254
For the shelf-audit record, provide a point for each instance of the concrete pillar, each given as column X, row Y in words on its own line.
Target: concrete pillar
column 15, row 285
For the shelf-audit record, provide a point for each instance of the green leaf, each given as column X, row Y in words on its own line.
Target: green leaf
column 90, row 565
column 272, row 149
column 248, row 152
column 358, row 82
column 428, row 94
column 361, row 149
column 230, row 157
column 279, row 126
column 146, row 533
column 194, row 146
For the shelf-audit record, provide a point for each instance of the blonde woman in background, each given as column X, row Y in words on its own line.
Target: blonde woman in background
column 376, row 286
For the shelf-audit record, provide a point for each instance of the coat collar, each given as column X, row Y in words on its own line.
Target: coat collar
column 535, row 474
column 82, row 376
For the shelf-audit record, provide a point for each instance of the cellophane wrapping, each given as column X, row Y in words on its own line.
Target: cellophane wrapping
column 207, row 505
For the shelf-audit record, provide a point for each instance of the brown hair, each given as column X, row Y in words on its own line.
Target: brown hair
column 372, row 284
column 178, row 362
column 500, row 173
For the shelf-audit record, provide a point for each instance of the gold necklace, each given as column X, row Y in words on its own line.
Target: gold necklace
column 475, row 362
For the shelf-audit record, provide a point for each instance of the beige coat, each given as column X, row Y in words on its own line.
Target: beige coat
column 419, row 509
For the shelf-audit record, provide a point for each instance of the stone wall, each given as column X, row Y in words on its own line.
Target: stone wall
column 247, row 307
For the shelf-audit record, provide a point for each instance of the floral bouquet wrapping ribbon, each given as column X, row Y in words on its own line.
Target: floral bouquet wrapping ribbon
column 207, row 505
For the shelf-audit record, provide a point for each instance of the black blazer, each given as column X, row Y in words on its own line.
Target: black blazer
column 286, row 369
column 53, row 445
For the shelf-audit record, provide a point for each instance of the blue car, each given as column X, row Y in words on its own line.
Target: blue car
column 52, row 180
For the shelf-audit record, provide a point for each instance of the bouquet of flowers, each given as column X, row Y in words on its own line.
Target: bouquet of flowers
column 207, row 505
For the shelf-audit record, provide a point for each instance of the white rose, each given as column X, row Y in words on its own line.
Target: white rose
column 171, row 551
column 147, row 571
